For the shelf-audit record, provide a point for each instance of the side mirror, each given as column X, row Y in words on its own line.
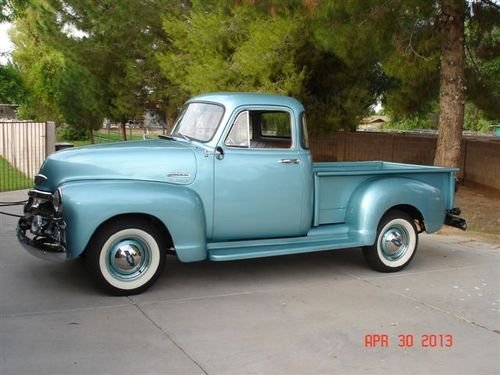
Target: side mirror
column 219, row 153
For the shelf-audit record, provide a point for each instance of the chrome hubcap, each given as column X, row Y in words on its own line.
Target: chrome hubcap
column 128, row 259
column 395, row 242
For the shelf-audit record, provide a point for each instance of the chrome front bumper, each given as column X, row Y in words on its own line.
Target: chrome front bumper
column 41, row 232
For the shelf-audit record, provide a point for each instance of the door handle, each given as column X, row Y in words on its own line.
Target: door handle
column 289, row 161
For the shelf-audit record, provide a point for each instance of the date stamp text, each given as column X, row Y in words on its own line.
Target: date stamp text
column 408, row 340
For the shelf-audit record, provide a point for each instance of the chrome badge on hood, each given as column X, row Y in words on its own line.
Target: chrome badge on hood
column 179, row 177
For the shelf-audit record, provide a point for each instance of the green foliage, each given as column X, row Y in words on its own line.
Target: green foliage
column 12, row 89
column 69, row 133
column 483, row 55
column 474, row 120
column 477, row 120
column 421, row 122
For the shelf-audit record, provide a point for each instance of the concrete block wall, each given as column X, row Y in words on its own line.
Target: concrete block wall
column 482, row 162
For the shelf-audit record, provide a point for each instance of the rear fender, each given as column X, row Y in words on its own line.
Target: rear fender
column 373, row 198
column 88, row 204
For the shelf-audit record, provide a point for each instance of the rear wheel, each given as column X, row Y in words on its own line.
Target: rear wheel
column 396, row 243
column 126, row 257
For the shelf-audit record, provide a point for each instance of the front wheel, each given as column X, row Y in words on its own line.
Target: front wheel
column 396, row 243
column 126, row 257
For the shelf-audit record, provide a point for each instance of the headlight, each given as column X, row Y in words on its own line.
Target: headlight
column 57, row 201
column 39, row 178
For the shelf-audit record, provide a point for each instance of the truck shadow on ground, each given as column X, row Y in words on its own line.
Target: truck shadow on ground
column 221, row 276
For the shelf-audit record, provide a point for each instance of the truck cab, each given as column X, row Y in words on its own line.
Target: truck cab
column 261, row 155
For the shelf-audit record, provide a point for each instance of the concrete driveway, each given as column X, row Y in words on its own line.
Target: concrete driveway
column 304, row 314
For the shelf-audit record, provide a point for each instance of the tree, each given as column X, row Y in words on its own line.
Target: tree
column 59, row 88
column 120, row 46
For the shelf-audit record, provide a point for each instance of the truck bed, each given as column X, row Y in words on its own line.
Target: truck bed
column 335, row 182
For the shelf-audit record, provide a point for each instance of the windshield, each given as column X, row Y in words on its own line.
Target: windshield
column 198, row 121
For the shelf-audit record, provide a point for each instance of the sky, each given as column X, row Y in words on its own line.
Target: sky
column 6, row 45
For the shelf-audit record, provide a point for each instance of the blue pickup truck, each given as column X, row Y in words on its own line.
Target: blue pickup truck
column 234, row 180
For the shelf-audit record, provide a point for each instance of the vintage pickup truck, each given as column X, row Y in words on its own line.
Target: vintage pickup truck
column 234, row 180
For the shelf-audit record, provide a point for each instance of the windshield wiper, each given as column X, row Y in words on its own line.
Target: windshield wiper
column 163, row 136
column 181, row 135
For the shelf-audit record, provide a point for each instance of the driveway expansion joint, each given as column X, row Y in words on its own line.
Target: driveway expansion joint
column 165, row 333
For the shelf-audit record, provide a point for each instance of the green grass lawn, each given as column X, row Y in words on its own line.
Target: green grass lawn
column 11, row 178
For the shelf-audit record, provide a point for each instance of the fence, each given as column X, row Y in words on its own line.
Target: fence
column 23, row 148
column 480, row 162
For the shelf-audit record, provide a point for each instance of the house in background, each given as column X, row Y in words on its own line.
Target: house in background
column 8, row 111
column 153, row 120
column 150, row 119
column 373, row 123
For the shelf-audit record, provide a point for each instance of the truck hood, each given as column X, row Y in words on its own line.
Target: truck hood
column 155, row 160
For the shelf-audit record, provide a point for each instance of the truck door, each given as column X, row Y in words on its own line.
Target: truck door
column 259, row 177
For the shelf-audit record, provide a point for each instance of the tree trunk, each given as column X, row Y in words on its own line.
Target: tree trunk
column 124, row 130
column 452, row 84
column 91, row 136
column 475, row 120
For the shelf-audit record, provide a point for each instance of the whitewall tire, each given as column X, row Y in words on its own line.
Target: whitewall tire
column 396, row 243
column 126, row 256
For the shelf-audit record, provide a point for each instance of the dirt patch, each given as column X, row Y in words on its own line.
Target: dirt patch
column 482, row 212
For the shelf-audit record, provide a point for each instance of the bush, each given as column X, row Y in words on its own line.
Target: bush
column 71, row 133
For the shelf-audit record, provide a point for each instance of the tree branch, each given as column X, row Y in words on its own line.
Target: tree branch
column 415, row 52
column 491, row 3
column 472, row 58
column 375, row 11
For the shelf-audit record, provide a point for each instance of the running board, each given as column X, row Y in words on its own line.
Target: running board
column 237, row 250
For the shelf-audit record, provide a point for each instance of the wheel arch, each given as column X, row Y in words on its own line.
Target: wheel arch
column 412, row 211
column 178, row 210
column 166, row 236
column 376, row 197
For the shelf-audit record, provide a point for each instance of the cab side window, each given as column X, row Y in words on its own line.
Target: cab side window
column 261, row 129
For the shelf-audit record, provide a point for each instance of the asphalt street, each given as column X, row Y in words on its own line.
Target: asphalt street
column 305, row 314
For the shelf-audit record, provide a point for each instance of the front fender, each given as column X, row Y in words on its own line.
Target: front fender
column 87, row 204
column 375, row 197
